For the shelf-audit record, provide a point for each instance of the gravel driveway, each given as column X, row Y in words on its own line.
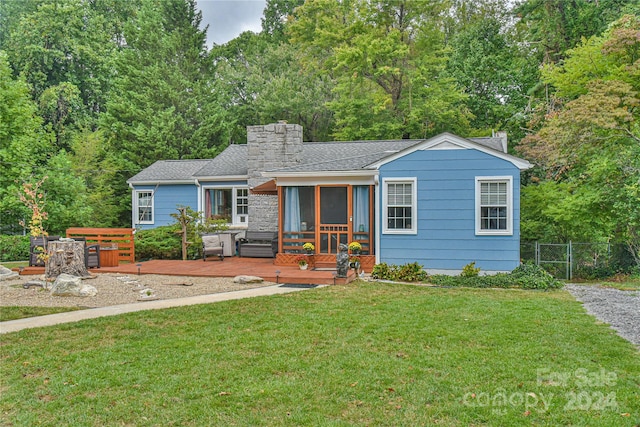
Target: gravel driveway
column 620, row 309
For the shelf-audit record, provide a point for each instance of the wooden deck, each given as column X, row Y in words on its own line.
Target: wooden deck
column 230, row 267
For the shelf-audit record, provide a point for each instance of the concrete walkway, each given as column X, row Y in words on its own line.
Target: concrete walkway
column 75, row 316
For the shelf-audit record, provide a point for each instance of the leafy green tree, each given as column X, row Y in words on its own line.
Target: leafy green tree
column 24, row 144
column 387, row 59
column 162, row 106
column 553, row 27
column 276, row 13
column 589, row 148
column 493, row 71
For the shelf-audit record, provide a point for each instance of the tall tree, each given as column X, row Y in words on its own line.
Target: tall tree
column 554, row 26
column 488, row 64
column 24, row 145
column 162, row 106
column 387, row 58
column 590, row 146
column 276, row 13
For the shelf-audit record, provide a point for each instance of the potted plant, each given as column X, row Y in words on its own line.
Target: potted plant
column 354, row 262
column 302, row 262
column 308, row 247
column 355, row 247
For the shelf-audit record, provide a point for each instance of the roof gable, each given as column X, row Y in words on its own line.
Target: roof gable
column 448, row 141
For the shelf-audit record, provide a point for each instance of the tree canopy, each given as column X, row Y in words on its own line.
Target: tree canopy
column 94, row 91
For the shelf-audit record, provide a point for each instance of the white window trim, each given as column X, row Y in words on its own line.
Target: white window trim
column 509, row 181
column 235, row 218
column 136, row 210
column 414, row 205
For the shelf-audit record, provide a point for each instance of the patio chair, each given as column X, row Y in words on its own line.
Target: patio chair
column 212, row 245
column 92, row 256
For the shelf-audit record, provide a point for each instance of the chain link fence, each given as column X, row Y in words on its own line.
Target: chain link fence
column 577, row 260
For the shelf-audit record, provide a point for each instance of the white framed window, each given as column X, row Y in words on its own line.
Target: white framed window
column 400, row 197
column 228, row 203
column 494, row 205
column 242, row 206
column 144, row 206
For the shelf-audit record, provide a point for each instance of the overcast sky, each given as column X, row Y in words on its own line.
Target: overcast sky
column 228, row 18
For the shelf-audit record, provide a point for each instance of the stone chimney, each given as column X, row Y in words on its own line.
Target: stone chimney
column 502, row 135
column 272, row 146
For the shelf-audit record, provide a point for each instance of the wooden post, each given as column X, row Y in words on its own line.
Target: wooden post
column 66, row 257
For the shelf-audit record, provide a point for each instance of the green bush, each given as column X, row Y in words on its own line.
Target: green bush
column 525, row 276
column 14, row 248
column 470, row 270
column 159, row 243
column 531, row 276
column 413, row 272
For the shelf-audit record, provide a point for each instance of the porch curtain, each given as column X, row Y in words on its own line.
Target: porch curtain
column 291, row 209
column 207, row 203
column 361, row 209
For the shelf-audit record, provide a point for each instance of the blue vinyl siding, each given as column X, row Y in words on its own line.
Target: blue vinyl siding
column 166, row 200
column 446, row 238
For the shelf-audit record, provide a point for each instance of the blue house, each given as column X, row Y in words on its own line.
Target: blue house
column 444, row 202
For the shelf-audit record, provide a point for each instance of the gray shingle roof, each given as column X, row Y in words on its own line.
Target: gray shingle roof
column 346, row 156
column 317, row 157
column 169, row 170
column 231, row 162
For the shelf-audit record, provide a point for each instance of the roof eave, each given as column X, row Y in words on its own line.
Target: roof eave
column 348, row 173
column 163, row 182
column 223, row 178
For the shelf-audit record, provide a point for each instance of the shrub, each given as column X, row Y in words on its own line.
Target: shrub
column 531, row 276
column 406, row 273
column 470, row 270
column 159, row 243
column 14, row 248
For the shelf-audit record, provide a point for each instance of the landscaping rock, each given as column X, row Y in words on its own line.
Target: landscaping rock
column 68, row 285
column 147, row 294
column 247, row 279
column 6, row 274
column 35, row 283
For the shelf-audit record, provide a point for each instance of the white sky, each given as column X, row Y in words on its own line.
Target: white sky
column 228, row 18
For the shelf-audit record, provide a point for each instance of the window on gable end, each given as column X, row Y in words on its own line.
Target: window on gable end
column 400, row 205
column 494, row 205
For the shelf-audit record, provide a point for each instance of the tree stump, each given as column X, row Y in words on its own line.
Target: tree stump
column 66, row 257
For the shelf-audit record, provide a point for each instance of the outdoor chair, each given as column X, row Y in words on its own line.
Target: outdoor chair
column 92, row 256
column 212, row 245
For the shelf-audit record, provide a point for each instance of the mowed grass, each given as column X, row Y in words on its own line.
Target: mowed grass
column 20, row 312
column 364, row 354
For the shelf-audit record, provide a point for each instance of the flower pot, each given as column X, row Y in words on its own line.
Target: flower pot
column 304, row 267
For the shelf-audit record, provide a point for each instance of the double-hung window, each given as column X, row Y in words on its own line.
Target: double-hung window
column 400, row 198
column 494, row 207
column 228, row 203
column 144, row 206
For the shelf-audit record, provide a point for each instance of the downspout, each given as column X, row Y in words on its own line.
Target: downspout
column 133, row 215
column 199, row 199
column 376, row 217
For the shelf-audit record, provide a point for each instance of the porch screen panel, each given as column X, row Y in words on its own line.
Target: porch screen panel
column 361, row 209
column 299, row 209
column 291, row 209
column 333, row 205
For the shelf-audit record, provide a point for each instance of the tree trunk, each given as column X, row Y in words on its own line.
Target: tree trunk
column 66, row 257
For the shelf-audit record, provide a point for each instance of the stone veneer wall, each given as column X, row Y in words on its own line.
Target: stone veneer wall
column 272, row 146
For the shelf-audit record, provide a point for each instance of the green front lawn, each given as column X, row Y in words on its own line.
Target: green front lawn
column 20, row 312
column 364, row 354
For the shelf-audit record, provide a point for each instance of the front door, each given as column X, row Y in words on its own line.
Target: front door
column 334, row 218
